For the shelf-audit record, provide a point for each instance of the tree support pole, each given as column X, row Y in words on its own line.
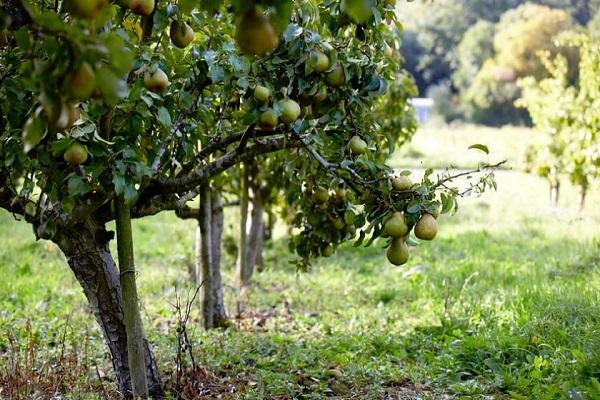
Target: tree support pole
column 131, row 311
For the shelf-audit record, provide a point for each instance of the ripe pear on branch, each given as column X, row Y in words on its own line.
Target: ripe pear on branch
column 396, row 226
column 255, row 35
column 157, row 81
column 398, row 253
column 262, row 93
column 181, row 34
column 426, row 227
column 402, row 183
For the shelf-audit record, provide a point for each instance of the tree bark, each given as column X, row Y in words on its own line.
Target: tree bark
column 88, row 254
column 131, row 311
column 220, row 318
column 206, row 278
column 241, row 266
column 257, row 231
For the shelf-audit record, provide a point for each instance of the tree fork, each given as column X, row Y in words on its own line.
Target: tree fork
column 131, row 311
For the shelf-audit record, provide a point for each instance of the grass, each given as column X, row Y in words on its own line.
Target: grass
column 503, row 304
column 440, row 146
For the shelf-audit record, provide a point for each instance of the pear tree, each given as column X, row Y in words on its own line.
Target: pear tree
column 113, row 111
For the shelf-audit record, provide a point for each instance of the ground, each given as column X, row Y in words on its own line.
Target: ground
column 503, row 304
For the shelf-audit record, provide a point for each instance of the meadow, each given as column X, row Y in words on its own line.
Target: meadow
column 504, row 304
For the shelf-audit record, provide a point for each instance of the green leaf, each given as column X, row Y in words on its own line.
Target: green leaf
column 480, row 147
column 119, row 183
column 77, row 186
column 164, row 117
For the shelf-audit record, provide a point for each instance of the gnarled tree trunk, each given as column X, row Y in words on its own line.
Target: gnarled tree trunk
column 88, row 254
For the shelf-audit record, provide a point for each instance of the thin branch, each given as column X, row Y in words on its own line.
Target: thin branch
column 441, row 182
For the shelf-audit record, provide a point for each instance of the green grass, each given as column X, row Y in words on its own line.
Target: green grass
column 503, row 304
column 440, row 146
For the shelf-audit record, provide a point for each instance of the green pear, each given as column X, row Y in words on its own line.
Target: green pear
column 268, row 120
column 357, row 145
column 290, row 111
column 398, row 253
column 76, row 154
column 396, row 226
column 426, row 228
column 402, row 183
column 262, row 93
column 255, row 35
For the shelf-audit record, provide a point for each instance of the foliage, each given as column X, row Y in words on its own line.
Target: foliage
column 476, row 46
column 594, row 26
column 155, row 115
column 520, row 35
column 568, row 115
column 523, row 32
column 438, row 28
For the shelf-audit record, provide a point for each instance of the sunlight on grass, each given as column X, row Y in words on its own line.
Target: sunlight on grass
column 503, row 303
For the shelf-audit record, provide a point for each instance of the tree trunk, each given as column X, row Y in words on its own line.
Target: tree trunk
column 88, row 254
column 241, row 266
column 220, row 315
column 206, row 278
column 582, row 197
column 131, row 311
column 257, row 230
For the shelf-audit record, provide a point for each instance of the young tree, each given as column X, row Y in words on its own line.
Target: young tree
column 120, row 111
column 568, row 114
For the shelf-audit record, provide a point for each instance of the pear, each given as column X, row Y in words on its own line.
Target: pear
column 336, row 76
column 141, row 7
column 268, row 120
column 426, row 228
column 396, row 226
column 181, row 34
column 402, row 183
column 262, row 93
column 321, row 95
column 81, row 82
column 255, row 35
column 398, row 253
column 357, row 145
column 321, row 195
column 76, row 154
column 327, row 250
column 290, row 111
column 322, row 61
column 157, row 82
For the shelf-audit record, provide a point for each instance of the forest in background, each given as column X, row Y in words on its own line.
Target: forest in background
column 469, row 55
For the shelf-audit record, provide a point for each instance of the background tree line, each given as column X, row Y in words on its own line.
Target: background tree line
column 469, row 55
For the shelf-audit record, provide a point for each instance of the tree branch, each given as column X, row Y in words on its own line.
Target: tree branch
column 190, row 181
